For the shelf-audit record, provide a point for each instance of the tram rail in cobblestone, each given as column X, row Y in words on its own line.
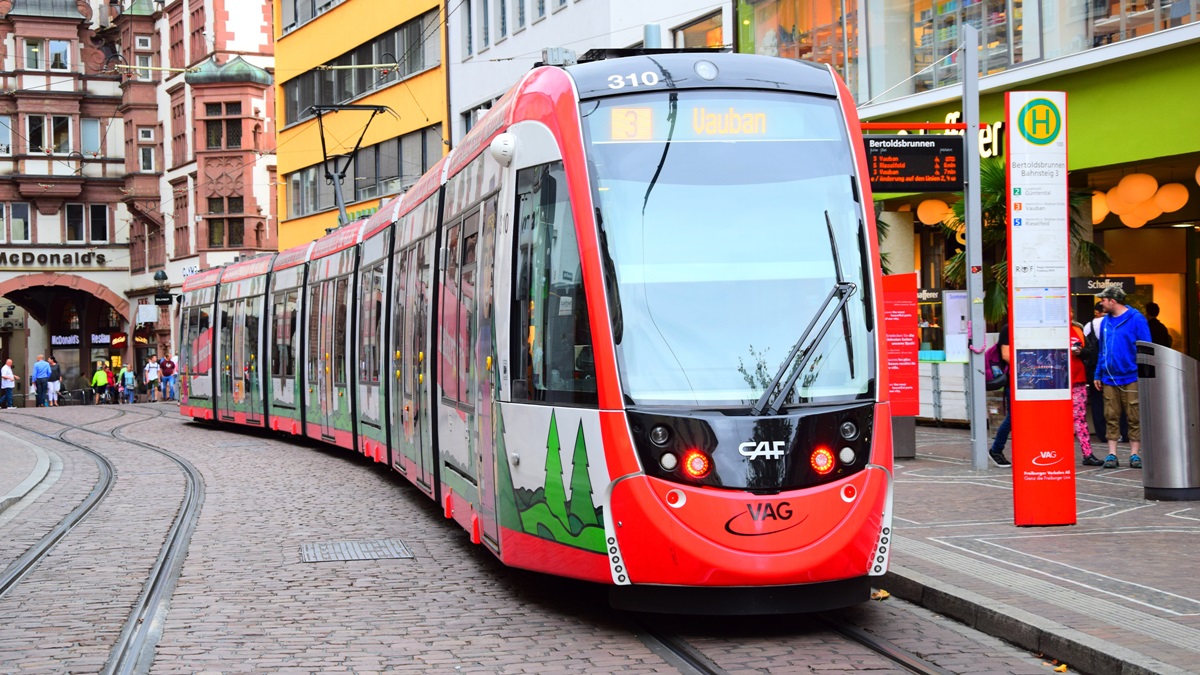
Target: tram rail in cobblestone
column 885, row 648
column 134, row 650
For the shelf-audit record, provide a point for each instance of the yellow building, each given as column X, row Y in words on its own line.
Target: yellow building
column 355, row 52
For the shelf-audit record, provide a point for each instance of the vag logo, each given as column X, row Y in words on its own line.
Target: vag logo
column 1040, row 121
column 1046, row 458
column 768, row 449
column 764, row 518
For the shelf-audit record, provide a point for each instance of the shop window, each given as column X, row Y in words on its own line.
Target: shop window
column 705, row 32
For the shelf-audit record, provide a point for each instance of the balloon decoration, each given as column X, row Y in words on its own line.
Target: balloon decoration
column 1136, row 188
column 1147, row 210
column 932, row 211
column 1132, row 220
column 1171, row 197
column 1116, row 204
column 1198, row 175
column 1099, row 207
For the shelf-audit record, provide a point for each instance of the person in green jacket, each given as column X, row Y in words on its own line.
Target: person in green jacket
column 99, row 383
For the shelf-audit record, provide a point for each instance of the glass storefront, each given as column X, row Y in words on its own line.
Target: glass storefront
column 912, row 46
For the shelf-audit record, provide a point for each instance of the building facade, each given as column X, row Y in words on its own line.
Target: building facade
column 491, row 43
column 356, row 53
column 121, row 127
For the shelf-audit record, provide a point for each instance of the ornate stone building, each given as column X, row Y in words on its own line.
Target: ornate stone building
column 136, row 143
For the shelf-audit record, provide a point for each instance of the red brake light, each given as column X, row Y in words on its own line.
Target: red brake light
column 696, row 464
column 822, row 461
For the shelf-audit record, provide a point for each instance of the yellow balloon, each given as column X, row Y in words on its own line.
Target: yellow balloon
column 1137, row 187
column 1116, row 204
column 932, row 211
column 1171, row 197
column 1132, row 220
column 1099, row 207
column 1147, row 210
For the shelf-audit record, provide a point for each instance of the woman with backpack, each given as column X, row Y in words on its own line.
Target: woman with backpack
column 1001, row 364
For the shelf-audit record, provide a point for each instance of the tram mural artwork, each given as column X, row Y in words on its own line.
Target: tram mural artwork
column 624, row 332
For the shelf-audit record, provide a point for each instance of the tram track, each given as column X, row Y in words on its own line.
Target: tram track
column 133, row 651
column 690, row 660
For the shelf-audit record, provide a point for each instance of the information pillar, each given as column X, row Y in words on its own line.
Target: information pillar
column 1039, row 309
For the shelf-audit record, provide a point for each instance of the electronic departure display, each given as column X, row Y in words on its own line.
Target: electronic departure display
column 915, row 163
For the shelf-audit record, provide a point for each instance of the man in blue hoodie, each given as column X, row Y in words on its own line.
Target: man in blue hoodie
column 1116, row 371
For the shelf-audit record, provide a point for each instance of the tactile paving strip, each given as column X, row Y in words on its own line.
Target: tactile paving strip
column 331, row 551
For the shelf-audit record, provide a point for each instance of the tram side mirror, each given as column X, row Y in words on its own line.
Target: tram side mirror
column 503, row 148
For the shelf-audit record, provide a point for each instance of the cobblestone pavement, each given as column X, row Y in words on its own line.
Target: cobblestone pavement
column 247, row 603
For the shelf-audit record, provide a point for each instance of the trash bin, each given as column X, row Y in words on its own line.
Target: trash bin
column 1169, row 407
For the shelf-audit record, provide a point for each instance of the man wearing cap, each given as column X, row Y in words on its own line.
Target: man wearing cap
column 1116, row 371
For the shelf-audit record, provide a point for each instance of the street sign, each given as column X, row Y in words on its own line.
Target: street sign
column 915, row 163
column 161, row 299
column 1093, row 285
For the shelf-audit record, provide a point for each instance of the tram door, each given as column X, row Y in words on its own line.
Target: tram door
column 251, row 336
column 331, row 391
column 224, row 393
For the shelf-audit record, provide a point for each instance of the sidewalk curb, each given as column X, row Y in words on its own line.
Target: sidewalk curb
column 1026, row 630
column 40, row 470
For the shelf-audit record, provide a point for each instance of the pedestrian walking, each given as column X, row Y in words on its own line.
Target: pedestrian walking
column 166, row 370
column 1079, row 391
column 128, row 382
column 55, row 381
column 99, row 383
column 41, row 380
column 997, row 452
column 8, row 382
column 151, row 377
column 1116, row 371
column 1091, row 333
column 112, row 385
column 1159, row 334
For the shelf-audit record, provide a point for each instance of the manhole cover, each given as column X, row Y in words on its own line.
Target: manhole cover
column 330, row 551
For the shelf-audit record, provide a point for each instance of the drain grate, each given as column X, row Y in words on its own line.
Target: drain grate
column 379, row 549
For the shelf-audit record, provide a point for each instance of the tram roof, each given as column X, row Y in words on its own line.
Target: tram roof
column 254, row 267
column 676, row 70
column 427, row 185
column 296, row 255
column 202, row 279
column 339, row 240
column 381, row 219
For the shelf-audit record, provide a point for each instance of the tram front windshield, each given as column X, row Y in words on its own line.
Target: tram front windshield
column 715, row 212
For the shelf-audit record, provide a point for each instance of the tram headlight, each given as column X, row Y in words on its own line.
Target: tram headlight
column 660, row 435
column 696, row 464
column 707, row 70
column 822, row 461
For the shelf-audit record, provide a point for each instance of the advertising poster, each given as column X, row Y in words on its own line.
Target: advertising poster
column 903, row 341
column 1043, row 447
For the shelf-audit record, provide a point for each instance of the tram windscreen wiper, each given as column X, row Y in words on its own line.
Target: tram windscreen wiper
column 770, row 403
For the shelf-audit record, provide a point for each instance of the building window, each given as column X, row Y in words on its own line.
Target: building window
column 70, row 316
column 296, row 13
column 144, row 63
column 705, row 32
column 98, row 222
column 34, row 57
column 146, row 158
column 90, row 130
column 199, row 44
column 520, row 14
column 175, row 32
column 142, row 43
column 137, row 245
column 179, row 128
column 5, row 135
column 74, row 223
column 485, row 23
column 223, row 128
column 60, row 130
column 503, row 10
column 35, row 134
column 60, row 55
column 413, row 47
column 539, row 9
column 145, row 134
column 181, row 220
column 559, row 4
column 19, row 225
column 57, row 56
column 469, row 26
column 226, row 231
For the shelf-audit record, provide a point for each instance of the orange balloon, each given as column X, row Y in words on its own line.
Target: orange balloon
column 1147, row 210
column 1099, row 207
column 1171, row 197
column 1132, row 221
column 932, row 211
column 1116, row 204
column 1137, row 187
column 1198, row 175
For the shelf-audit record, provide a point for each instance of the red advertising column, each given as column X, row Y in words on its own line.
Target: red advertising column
column 903, row 342
column 1039, row 309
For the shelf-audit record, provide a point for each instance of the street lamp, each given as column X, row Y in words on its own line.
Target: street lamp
column 160, row 279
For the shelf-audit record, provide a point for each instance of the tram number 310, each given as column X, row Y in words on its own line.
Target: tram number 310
column 648, row 79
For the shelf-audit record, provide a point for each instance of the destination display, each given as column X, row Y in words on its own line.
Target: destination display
column 915, row 163
column 697, row 118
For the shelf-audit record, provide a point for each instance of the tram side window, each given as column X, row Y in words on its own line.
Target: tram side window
column 371, row 325
column 552, row 344
column 283, row 362
column 339, row 332
column 314, row 325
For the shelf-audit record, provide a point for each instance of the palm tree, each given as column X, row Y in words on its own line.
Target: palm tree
column 993, row 183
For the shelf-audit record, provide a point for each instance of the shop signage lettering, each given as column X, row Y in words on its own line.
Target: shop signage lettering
column 63, row 340
column 101, row 339
column 991, row 136
column 929, row 295
column 69, row 259
column 118, row 340
column 1093, row 285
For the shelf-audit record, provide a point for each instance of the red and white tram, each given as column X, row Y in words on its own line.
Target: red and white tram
column 625, row 332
